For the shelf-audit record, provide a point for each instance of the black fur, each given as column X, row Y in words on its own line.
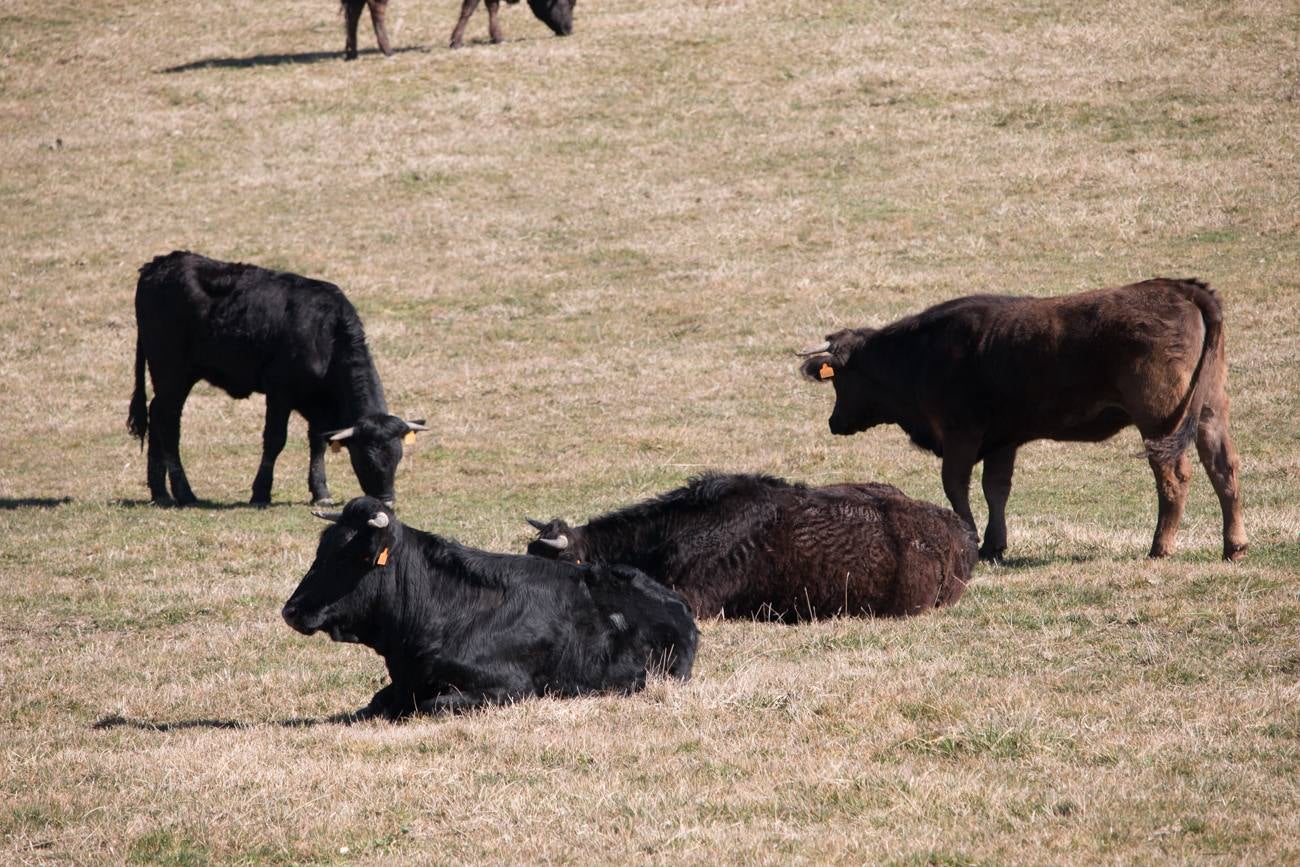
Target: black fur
column 459, row 628
column 246, row 329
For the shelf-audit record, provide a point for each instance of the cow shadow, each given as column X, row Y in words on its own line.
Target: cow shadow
column 115, row 721
column 201, row 505
column 257, row 60
column 7, row 503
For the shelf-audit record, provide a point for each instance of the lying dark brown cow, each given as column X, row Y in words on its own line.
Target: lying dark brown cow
column 974, row 378
column 757, row 546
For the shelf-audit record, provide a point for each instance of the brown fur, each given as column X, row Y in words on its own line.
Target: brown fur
column 975, row 378
column 755, row 546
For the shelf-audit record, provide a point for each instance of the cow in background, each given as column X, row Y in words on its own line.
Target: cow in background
column 760, row 547
column 975, row 378
column 555, row 14
column 460, row 628
column 244, row 329
column 378, row 15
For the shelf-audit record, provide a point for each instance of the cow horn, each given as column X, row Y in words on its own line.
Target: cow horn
column 815, row 350
column 328, row 516
column 535, row 524
column 339, row 436
column 380, row 520
column 559, row 543
column 416, row 425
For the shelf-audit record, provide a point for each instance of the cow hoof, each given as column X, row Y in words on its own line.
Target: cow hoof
column 1233, row 553
column 163, row 502
column 991, row 555
column 323, row 501
column 260, row 502
column 186, row 500
column 1158, row 551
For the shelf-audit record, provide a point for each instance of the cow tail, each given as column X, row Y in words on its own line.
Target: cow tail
column 1170, row 447
column 137, row 419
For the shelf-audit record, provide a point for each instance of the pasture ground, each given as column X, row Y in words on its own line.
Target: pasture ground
column 587, row 261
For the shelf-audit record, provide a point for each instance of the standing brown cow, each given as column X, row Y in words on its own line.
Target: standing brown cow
column 974, row 378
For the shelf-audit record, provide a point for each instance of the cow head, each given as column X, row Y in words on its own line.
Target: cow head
column 343, row 588
column 556, row 540
column 555, row 14
column 375, row 446
column 841, row 361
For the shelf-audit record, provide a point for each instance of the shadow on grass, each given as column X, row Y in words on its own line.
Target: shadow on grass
column 201, row 505
column 1036, row 562
column 114, row 721
column 276, row 59
column 33, row 502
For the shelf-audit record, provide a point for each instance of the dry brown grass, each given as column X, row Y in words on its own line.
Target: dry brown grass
column 586, row 261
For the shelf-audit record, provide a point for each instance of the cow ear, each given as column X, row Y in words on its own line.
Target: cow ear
column 379, row 537
column 820, row 368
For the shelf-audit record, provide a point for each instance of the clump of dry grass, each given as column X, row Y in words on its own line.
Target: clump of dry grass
column 586, row 261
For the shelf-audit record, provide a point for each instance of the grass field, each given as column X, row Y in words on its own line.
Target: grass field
column 586, row 261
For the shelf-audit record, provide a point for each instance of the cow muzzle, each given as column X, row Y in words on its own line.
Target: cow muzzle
column 293, row 617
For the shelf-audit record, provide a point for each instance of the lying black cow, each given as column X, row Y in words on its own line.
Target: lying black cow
column 245, row 329
column 975, row 378
column 757, row 546
column 460, row 628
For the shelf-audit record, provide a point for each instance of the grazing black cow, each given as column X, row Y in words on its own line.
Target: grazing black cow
column 757, row 546
column 975, row 378
column 245, row 329
column 555, row 14
column 460, row 628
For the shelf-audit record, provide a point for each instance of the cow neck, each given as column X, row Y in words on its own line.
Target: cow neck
column 901, row 380
column 633, row 539
column 355, row 386
column 430, row 584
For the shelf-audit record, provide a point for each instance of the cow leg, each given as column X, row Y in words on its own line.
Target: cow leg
column 1172, row 479
column 378, row 10
column 352, row 9
column 273, row 438
column 998, row 467
column 958, row 461
column 165, row 447
column 1219, row 457
column 320, row 492
column 467, row 8
column 494, row 27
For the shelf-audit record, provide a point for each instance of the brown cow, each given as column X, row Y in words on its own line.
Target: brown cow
column 974, row 378
column 758, row 546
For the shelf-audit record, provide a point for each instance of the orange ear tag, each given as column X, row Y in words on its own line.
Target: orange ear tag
column 826, row 372
column 409, row 439
column 382, row 559
column 336, row 446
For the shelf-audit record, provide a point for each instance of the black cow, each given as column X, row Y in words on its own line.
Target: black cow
column 245, row 329
column 555, row 14
column 975, row 378
column 757, row 546
column 460, row 628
